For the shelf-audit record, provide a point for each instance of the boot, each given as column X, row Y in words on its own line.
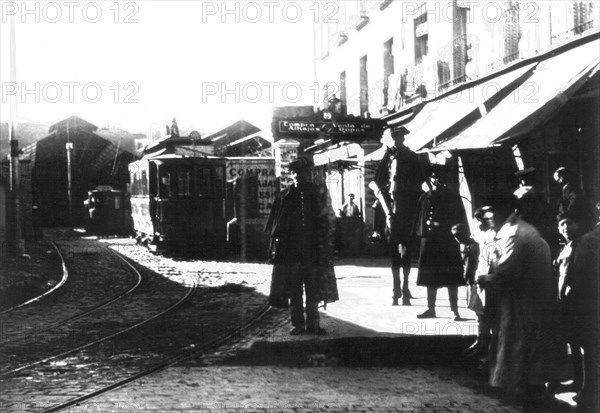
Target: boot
column 396, row 296
column 430, row 313
column 457, row 316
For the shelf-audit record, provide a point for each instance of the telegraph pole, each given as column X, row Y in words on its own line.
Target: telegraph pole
column 69, row 147
column 15, row 237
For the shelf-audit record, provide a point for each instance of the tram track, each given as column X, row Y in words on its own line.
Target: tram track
column 63, row 280
column 198, row 321
column 180, row 301
column 136, row 280
column 185, row 353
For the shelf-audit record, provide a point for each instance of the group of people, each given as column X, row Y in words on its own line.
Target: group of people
column 530, row 305
column 535, row 305
column 422, row 210
column 531, row 298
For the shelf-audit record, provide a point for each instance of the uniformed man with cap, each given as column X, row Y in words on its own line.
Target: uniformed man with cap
column 302, row 229
column 405, row 177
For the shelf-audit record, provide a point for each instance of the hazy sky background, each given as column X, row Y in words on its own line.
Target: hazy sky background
column 174, row 58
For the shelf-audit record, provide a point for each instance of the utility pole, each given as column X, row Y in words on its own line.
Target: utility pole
column 15, row 237
column 69, row 146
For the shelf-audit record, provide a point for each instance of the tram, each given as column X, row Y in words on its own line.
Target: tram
column 179, row 203
column 107, row 212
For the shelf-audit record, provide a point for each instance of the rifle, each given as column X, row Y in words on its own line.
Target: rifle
column 385, row 204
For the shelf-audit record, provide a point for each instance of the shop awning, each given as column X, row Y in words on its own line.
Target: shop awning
column 455, row 111
column 550, row 86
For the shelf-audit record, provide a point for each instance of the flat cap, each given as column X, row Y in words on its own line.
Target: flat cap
column 400, row 130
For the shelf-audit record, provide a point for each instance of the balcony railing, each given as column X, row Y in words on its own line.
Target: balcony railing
column 452, row 62
column 569, row 34
column 582, row 17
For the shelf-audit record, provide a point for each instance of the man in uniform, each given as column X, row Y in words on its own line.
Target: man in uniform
column 405, row 178
column 302, row 228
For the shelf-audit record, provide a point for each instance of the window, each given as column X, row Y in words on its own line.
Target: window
column 583, row 17
column 209, row 181
column 166, row 182
column 421, row 38
column 459, row 45
column 388, row 67
column 512, row 33
column 364, row 86
column 184, row 181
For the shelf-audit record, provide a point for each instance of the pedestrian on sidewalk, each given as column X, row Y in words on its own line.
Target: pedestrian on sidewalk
column 584, row 307
column 526, row 351
column 570, row 228
column 401, row 173
column 440, row 262
column 302, row 229
column 482, row 302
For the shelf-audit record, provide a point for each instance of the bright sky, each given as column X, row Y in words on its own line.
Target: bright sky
column 145, row 62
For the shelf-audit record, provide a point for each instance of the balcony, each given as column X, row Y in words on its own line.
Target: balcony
column 582, row 17
column 453, row 59
column 571, row 33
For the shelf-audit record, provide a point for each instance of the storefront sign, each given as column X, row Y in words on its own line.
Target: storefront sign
column 264, row 170
column 287, row 127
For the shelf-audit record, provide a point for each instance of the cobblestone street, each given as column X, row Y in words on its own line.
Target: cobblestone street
column 367, row 361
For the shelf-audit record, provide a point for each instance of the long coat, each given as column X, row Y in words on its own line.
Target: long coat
column 526, row 344
column 583, row 277
column 440, row 261
column 284, row 246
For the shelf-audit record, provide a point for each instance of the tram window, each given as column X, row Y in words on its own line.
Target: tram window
column 166, row 184
column 184, row 179
column 204, row 184
column 219, row 180
column 209, row 181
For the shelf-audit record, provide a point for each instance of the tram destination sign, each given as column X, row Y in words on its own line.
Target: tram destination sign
column 333, row 129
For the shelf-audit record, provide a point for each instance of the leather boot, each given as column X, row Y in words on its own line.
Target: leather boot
column 396, row 296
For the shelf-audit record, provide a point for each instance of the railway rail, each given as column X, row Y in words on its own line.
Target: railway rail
column 14, row 333
column 63, row 280
column 122, row 339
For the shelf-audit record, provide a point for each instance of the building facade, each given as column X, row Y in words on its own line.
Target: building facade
column 380, row 56
column 441, row 68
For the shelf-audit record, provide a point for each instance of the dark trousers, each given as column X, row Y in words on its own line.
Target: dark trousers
column 452, row 296
column 303, row 279
column 400, row 261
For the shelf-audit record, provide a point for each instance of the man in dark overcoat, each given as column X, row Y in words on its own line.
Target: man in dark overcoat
column 440, row 261
column 302, row 229
column 584, row 305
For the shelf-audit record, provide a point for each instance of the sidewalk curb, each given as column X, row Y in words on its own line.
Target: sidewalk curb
column 357, row 351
